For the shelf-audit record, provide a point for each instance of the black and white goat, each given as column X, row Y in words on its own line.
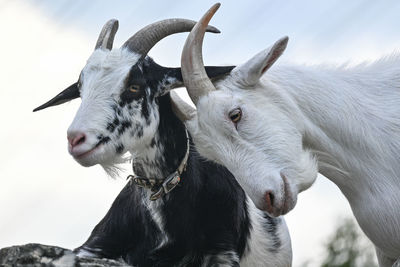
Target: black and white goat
column 178, row 209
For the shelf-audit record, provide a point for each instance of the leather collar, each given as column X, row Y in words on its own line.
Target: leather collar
column 160, row 187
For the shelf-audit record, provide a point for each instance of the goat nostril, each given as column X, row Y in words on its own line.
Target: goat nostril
column 81, row 140
column 77, row 140
column 269, row 197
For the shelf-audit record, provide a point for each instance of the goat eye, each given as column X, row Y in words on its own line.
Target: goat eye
column 134, row 88
column 235, row 115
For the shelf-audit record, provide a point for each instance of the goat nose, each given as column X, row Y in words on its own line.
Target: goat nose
column 75, row 139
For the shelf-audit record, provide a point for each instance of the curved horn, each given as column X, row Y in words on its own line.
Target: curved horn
column 107, row 34
column 193, row 72
column 142, row 41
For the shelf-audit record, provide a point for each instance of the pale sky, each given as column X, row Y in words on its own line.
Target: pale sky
column 46, row 197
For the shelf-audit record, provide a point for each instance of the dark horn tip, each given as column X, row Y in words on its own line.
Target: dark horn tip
column 116, row 23
column 37, row 109
column 285, row 39
column 45, row 105
column 212, row 29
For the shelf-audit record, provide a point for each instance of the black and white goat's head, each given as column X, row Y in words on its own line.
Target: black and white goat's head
column 119, row 89
column 241, row 125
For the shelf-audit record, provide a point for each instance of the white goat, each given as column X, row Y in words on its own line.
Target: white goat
column 275, row 130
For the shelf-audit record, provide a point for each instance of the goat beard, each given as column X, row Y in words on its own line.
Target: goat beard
column 113, row 169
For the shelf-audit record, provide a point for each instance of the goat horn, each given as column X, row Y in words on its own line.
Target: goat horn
column 142, row 41
column 107, row 34
column 193, row 72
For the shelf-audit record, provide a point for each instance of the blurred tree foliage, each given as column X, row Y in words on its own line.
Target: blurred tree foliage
column 349, row 247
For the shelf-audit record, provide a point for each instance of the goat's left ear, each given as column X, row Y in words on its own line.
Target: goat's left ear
column 66, row 95
column 172, row 77
column 186, row 113
column 182, row 110
column 250, row 72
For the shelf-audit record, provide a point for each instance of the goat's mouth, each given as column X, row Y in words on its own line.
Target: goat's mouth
column 89, row 157
column 87, row 153
column 82, row 153
column 288, row 200
column 277, row 206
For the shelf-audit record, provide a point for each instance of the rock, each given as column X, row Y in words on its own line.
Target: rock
column 43, row 255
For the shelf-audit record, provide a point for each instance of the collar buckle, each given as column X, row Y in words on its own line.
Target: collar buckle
column 167, row 186
column 171, row 182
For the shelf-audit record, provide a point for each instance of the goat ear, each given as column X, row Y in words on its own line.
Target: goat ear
column 215, row 73
column 251, row 71
column 185, row 112
column 172, row 77
column 66, row 95
column 182, row 110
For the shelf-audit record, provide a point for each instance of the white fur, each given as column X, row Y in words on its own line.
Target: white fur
column 84, row 253
column 346, row 121
column 259, row 251
column 154, row 208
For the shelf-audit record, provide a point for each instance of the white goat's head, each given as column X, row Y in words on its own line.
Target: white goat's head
column 239, row 124
column 120, row 89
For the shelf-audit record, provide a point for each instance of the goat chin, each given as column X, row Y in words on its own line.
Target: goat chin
column 110, row 163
